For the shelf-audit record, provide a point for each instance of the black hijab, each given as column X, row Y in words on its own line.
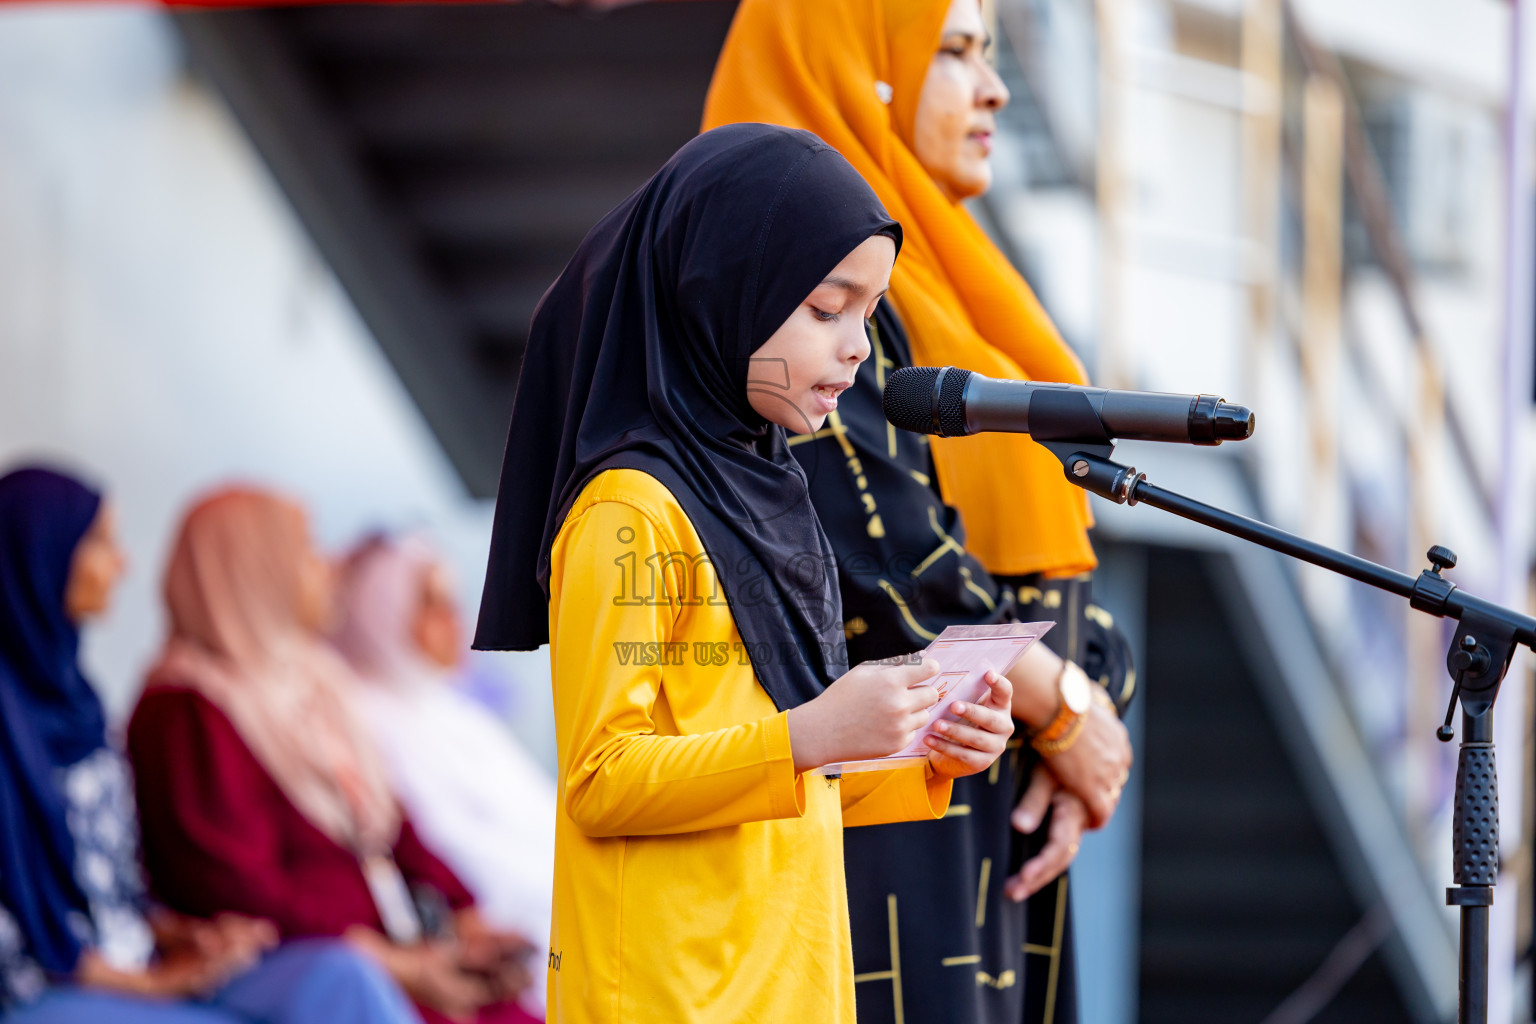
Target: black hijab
column 638, row 358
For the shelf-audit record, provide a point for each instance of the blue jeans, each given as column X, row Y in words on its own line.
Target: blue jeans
column 311, row 982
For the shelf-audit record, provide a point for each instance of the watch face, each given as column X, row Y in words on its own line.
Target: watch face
column 1075, row 692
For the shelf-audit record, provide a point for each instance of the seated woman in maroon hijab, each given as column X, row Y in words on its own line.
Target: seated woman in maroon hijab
column 260, row 794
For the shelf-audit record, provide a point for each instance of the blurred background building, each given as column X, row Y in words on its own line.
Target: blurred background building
column 303, row 246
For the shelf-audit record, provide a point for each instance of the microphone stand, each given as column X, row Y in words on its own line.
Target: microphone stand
column 1485, row 641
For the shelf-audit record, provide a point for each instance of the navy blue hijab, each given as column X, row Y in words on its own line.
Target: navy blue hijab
column 638, row 358
column 50, row 717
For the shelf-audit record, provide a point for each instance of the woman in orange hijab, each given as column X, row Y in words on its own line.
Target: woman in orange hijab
column 852, row 72
column 903, row 89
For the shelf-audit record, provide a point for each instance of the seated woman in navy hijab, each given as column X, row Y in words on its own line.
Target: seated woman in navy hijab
column 78, row 942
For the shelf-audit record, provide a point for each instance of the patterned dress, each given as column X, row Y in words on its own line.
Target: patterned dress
column 933, row 936
column 99, row 794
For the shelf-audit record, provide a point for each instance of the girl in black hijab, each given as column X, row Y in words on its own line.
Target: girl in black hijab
column 653, row 528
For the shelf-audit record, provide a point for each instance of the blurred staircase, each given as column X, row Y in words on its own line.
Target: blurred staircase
column 1243, row 897
column 448, row 160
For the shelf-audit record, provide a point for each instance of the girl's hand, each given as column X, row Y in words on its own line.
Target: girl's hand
column 970, row 743
column 871, row 711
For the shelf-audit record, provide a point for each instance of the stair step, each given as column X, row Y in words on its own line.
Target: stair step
column 513, row 110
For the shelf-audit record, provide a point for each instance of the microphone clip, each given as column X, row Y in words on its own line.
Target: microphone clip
column 1066, row 425
column 1064, row 422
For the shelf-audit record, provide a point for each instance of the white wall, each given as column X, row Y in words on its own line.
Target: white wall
column 165, row 323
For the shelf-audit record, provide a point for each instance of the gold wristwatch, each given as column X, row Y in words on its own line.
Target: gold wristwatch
column 1061, row 732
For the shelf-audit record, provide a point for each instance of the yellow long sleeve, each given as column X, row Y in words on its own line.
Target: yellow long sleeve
column 621, row 777
column 902, row 794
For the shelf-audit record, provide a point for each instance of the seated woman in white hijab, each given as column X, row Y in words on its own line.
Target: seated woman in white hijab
column 475, row 796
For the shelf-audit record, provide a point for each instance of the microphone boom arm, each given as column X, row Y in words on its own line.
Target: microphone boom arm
column 1485, row 641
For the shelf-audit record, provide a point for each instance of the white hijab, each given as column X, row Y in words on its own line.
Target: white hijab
column 475, row 796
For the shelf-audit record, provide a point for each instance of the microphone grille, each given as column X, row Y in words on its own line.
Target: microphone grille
column 908, row 398
column 910, row 402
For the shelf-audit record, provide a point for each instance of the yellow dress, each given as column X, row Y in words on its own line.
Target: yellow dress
column 697, row 877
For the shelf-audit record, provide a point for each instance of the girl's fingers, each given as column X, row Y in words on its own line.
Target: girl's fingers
column 921, row 698
column 969, row 736
column 979, row 734
column 910, row 674
column 916, row 719
column 990, row 719
column 999, row 692
column 972, row 759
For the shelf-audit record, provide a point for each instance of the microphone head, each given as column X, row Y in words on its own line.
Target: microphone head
column 927, row 399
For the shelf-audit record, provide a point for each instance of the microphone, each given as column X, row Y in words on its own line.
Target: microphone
column 951, row 402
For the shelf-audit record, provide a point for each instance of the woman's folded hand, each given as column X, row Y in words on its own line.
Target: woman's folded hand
column 1096, row 767
column 184, row 974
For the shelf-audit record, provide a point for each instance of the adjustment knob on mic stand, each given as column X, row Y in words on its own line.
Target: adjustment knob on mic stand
column 1442, row 558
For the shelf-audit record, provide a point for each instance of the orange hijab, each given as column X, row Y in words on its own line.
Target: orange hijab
column 815, row 64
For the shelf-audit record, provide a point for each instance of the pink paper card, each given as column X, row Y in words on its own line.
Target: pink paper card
column 965, row 654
